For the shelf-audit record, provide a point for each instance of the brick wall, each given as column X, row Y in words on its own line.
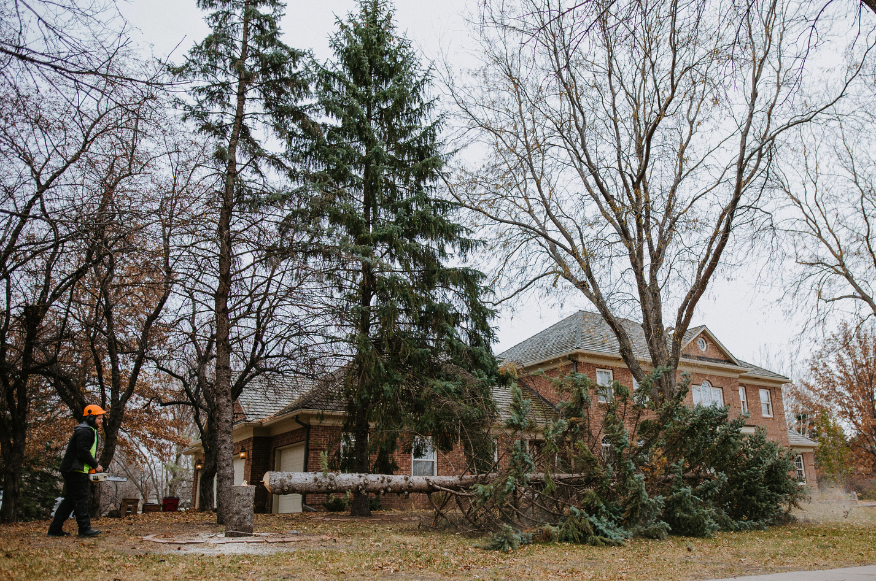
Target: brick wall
column 775, row 426
column 809, row 468
column 712, row 350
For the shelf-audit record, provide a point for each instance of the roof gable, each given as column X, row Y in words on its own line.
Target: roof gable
column 265, row 395
column 715, row 350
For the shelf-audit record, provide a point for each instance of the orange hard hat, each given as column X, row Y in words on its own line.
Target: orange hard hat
column 93, row 410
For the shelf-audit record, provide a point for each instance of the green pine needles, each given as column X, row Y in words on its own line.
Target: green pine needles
column 640, row 469
column 416, row 330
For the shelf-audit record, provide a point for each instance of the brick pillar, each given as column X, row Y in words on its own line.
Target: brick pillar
column 261, row 461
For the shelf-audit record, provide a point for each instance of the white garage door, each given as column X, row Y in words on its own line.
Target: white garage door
column 238, row 471
column 289, row 459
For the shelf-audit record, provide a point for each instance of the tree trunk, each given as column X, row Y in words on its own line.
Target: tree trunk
column 360, row 504
column 239, row 511
column 224, row 406
column 320, row 483
column 13, row 435
column 13, row 459
column 208, row 470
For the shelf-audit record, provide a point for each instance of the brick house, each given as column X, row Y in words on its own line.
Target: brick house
column 583, row 342
column 286, row 424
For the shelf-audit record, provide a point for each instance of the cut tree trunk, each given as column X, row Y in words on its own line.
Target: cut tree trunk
column 239, row 511
column 326, row 483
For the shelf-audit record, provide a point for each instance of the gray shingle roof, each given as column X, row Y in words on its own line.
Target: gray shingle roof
column 541, row 413
column 327, row 395
column 589, row 332
column 795, row 440
column 324, row 395
column 760, row 371
column 265, row 395
column 583, row 330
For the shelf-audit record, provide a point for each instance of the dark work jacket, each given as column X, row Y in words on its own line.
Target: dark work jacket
column 78, row 452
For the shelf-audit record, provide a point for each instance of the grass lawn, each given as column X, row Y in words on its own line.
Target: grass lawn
column 395, row 545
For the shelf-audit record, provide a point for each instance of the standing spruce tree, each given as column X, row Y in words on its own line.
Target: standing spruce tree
column 417, row 330
column 246, row 83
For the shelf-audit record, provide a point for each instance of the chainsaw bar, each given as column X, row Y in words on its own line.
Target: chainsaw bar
column 104, row 477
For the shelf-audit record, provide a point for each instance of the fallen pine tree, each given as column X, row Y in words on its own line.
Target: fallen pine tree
column 329, row 482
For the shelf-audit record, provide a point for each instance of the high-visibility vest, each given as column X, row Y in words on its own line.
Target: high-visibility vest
column 85, row 467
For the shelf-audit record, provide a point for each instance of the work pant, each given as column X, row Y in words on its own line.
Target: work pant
column 76, row 486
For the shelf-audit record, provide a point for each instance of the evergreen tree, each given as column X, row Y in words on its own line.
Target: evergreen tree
column 246, row 83
column 417, row 330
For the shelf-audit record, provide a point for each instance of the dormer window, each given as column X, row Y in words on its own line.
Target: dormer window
column 701, row 343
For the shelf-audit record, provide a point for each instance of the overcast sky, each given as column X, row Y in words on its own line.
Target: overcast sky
column 744, row 318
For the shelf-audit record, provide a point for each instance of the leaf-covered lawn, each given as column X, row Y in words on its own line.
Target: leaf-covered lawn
column 395, row 545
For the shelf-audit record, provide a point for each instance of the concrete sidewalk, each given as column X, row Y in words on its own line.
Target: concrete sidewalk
column 867, row 573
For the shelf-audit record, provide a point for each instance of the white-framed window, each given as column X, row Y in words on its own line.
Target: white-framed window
column 766, row 403
column 607, row 451
column 424, row 458
column 604, row 379
column 705, row 394
column 346, row 452
column 743, row 400
column 635, row 384
column 701, row 343
column 798, row 466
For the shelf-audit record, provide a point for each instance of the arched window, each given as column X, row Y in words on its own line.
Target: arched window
column 705, row 394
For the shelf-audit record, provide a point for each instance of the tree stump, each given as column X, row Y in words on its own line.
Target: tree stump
column 239, row 513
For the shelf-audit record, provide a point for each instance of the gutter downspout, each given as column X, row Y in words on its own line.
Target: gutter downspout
column 574, row 363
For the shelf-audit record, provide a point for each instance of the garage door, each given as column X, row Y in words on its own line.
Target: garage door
column 289, row 459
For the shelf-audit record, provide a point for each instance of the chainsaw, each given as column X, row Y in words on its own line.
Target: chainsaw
column 104, row 477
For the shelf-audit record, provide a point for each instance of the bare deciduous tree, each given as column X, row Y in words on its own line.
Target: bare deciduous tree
column 115, row 313
column 626, row 143
column 276, row 312
column 50, row 132
column 829, row 219
column 75, row 40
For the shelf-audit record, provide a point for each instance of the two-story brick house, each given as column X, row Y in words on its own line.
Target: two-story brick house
column 583, row 342
column 288, row 424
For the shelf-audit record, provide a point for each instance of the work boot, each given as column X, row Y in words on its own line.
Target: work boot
column 57, row 534
column 89, row 533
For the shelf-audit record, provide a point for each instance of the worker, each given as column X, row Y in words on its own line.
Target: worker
column 78, row 461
